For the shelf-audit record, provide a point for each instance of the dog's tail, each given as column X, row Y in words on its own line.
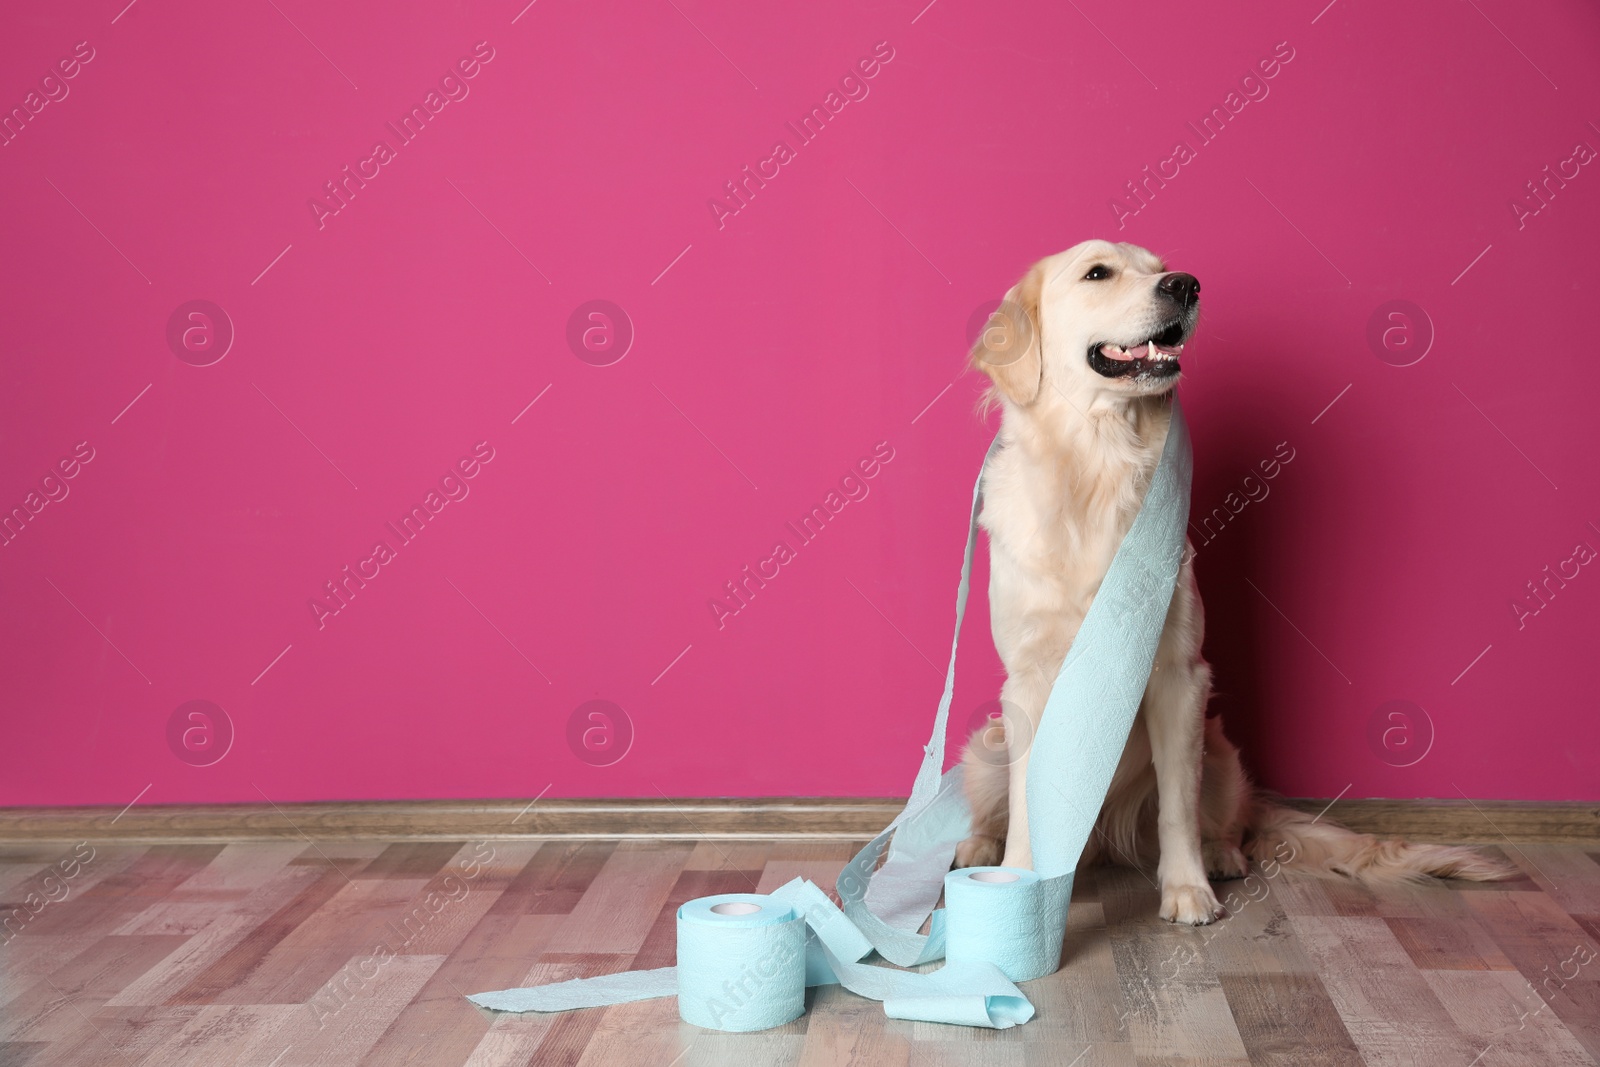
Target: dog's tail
column 1319, row 846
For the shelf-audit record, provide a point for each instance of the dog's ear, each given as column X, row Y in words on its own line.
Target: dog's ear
column 1010, row 349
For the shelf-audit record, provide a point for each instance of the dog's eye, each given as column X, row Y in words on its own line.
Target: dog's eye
column 1097, row 273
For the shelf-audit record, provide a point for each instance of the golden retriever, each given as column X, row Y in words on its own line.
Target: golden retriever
column 1083, row 355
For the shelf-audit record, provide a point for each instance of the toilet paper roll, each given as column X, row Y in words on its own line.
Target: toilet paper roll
column 741, row 962
column 1007, row 916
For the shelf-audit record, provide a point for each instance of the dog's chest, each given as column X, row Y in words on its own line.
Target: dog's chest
column 1053, row 534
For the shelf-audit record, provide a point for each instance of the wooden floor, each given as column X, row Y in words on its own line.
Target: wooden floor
column 356, row 953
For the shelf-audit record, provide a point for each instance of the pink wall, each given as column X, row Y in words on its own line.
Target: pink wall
column 772, row 351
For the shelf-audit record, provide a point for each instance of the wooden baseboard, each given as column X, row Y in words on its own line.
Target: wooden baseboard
column 798, row 818
column 1466, row 821
column 815, row 818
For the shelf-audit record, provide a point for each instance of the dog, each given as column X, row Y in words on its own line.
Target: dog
column 1083, row 356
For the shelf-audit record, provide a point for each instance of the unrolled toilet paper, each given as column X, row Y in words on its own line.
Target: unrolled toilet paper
column 971, row 993
column 745, row 960
column 741, row 970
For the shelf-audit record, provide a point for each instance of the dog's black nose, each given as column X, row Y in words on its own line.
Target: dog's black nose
column 1184, row 288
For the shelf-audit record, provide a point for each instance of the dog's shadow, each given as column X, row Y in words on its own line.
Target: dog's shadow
column 1236, row 615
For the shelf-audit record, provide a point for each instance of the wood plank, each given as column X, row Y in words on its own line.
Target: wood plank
column 1458, row 944
column 340, row 853
column 1546, row 945
column 57, row 1003
column 660, row 947
column 453, row 901
column 713, row 855
column 1570, row 877
column 569, row 1034
column 1099, row 1054
column 510, row 1038
column 1508, row 852
column 239, row 866
column 30, row 864
column 1288, row 1020
column 1350, row 898
column 1437, row 898
column 165, row 980
column 519, row 1038
column 348, row 1020
column 821, row 853
column 1303, row 894
column 230, row 878
column 229, row 1036
column 1388, row 1008
column 26, row 960
column 821, row 864
column 125, row 891
column 18, row 912
column 184, row 917
column 1082, row 1002
column 1255, row 937
column 32, row 853
column 354, row 924
column 1502, row 1015
column 20, row 1053
column 555, row 879
column 1577, row 1005
column 621, row 904
column 1178, row 1012
column 236, row 966
column 649, row 1031
column 845, row 1030
column 232, row 924
column 29, row 955
column 782, row 1046
column 1081, row 1006
column 411, row 859
column 124, row 1035
column 440, row 1026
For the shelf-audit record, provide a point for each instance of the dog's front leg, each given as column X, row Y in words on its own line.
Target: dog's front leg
column 1174, row 704
column 1019, row 851
column 1023, row 696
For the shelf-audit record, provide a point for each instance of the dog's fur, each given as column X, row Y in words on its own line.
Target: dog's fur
column 1077, row 451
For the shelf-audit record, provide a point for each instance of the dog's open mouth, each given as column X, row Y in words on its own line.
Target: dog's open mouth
column 1154, row 357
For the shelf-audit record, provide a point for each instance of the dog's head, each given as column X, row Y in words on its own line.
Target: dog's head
column 1098, row 321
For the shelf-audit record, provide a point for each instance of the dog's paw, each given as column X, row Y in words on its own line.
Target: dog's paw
column 1191, row 905
column 1224, row 860
column 979, row 851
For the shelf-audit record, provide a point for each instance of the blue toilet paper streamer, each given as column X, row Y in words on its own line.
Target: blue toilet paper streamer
column 1080, row 739
column 974, row 993
column 989, row 933
column 1096, row 695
